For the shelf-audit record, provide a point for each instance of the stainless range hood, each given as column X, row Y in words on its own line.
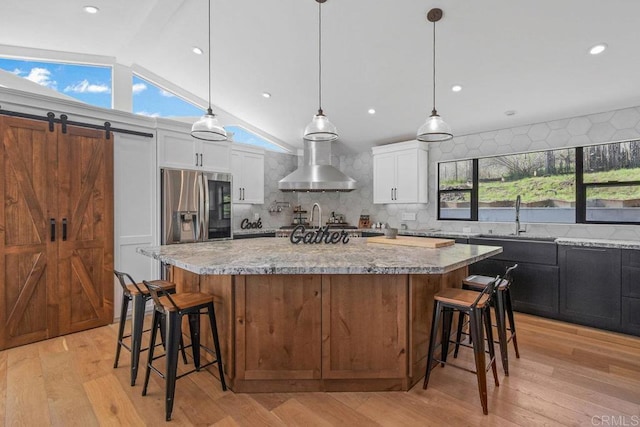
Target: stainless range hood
column 316, row 172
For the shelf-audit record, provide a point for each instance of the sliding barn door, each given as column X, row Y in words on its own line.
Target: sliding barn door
column 28, row 296
column 85, row 205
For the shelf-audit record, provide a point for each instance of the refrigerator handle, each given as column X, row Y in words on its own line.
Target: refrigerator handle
column 206, row 207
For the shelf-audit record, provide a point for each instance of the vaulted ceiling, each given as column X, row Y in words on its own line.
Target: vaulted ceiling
column 530, row 57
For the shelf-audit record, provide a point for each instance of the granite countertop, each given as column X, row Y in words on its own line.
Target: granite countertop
column 279, row 256
column 598, row 243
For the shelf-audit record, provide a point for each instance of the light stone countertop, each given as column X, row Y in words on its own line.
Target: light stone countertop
column 268, row 255
column 598, row 243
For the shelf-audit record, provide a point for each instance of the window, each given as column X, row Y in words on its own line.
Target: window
column 610, row 189
column 90, row 84
column 544, row 180
column 486, row 189
column 455, row 190
column 153, row 101
column 244, row 136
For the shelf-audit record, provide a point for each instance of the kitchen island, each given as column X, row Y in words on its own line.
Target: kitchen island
column 313, row 317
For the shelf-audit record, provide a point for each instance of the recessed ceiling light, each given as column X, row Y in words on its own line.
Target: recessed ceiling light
column 371, row 111
column 597, row 49
column 197, row 50
column 510, row 112
column 266, row 95
column 91, row 9
column 456, row 88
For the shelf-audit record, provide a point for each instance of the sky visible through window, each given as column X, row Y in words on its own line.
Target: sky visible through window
column 87, row 83
column 93, row 85
column 153, row 101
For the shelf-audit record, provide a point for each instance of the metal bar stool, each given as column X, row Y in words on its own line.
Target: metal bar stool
column 138, row 294
column 170, row 309
column 503, row 308
column 477, row 307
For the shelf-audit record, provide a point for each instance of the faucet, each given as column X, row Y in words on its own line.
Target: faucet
column 319, row 215
column 518, row 230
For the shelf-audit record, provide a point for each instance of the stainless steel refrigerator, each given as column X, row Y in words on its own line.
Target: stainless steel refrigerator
column 196, row 206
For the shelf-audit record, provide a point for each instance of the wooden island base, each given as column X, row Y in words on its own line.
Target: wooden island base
column 317, row 332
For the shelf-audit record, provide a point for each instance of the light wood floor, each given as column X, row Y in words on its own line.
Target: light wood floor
column 567, row 375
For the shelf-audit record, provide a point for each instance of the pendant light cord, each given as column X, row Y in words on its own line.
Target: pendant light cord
column 434, row 68
column 209, row 111
column 319, row 58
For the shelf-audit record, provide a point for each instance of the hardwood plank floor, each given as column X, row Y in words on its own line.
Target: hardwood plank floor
column 567, row 375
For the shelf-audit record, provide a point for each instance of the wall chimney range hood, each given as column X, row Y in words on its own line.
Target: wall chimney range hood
column 316, row 172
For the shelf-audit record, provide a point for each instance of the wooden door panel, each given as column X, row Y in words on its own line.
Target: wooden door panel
column 86, row 203
column 364, row 326
column 27, row 201
column 278, row 321
column 25, row 299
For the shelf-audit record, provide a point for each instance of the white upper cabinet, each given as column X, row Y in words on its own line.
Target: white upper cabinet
column 247, row 168
column 400, row 173
column 178, row 149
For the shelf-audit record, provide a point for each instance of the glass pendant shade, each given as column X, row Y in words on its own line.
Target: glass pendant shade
column 320, row 129
column 207, row 128
column 434, row 129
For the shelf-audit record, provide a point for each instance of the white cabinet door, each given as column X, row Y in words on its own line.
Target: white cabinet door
column 253, row 174
column 177, row 150
column 384, row 171
column 236, row 172
column 215, row 156
column 400, row 173
column 247, row 167
column 406, row 177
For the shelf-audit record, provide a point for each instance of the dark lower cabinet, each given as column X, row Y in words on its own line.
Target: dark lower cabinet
column 631, row 315
column 631, row 292
column 590, row 291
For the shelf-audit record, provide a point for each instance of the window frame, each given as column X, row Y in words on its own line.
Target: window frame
column 473, row 192
column 582, row 187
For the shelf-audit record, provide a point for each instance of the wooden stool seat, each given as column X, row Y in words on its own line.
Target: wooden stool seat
column 185, row 300
column 140, row 288
column 478, row 283
column 461, row 297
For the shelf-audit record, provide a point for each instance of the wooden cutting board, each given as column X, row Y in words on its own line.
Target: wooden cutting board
column 422, row 242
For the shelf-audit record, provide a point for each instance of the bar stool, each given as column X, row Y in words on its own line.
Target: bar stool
column 138, row 294
column 170, row 309
column 477, row 307
column 503, row 307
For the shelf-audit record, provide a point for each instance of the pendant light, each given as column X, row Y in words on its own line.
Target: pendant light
column 320, row 128
column 434, row 129
column 207, row 127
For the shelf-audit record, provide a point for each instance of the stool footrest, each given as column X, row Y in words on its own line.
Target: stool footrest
column 462, row 367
